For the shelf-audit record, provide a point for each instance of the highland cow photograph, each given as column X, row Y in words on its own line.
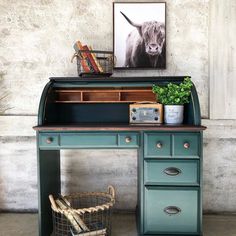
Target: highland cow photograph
column 139, row 35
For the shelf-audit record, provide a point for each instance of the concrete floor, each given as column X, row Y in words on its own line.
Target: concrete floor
column 123, row 225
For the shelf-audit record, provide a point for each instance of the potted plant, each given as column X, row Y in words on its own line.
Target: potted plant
column 173, row 97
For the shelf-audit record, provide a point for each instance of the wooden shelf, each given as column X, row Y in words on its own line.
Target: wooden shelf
column 76, row 101
column 104, row 95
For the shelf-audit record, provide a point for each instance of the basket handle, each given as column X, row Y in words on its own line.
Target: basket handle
column 111, row 191
column 76, row 55
column 53, row 202
column 73, row 57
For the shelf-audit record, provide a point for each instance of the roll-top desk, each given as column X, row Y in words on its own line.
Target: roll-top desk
column 79, row 113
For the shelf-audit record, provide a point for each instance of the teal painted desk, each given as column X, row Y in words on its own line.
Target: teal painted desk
column 169, row 157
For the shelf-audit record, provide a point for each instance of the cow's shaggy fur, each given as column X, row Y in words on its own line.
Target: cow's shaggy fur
column 145, row 46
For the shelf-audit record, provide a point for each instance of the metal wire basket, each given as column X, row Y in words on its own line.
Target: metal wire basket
column 94, row 63
column 83, row 214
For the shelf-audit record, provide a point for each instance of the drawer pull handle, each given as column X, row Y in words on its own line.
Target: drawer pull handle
column 186, row 145
column 159, row 145
column 128, row 139
column 172, row 210
column 172, row 171
column 49, row 140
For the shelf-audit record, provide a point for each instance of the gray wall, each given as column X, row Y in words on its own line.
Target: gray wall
column 36, row 39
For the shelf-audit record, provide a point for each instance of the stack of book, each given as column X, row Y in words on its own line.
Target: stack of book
column 88, row 61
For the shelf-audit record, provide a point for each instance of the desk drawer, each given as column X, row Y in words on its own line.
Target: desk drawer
column 186, row 144
column 171, row 211
column 161, row 145
column 89, row 140
column 49, row 140
column 171, row 172
column 157, row 145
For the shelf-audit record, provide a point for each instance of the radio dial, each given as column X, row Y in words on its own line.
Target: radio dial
column 156, row 110
column 133, row 110
column 133, row 118
column 156, row 118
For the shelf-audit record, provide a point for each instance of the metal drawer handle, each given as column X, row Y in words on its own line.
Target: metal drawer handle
column 49, row 140
column 159, row 145
column 172, row 171
column 128, row 139
column 186, row 145
column 172, row 210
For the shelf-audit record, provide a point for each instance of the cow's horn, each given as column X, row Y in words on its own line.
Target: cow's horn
column 131, row 22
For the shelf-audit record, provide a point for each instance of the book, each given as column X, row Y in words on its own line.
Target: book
column 96, row 61
column 83, row 60
column 85, row 65
column 91, row 59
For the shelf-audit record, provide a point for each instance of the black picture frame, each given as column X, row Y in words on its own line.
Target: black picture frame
column 124, row 35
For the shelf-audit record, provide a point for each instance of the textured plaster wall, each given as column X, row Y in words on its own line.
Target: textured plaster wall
column 36, row 39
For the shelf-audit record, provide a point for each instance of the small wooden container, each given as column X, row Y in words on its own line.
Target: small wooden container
column 140, row 113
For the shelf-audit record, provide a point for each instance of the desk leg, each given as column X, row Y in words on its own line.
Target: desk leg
column 48, row 183
column 139, row 216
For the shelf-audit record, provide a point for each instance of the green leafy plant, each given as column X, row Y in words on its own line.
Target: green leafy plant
column 174, row 94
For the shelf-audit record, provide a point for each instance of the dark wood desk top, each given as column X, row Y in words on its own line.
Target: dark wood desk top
column 118, row 127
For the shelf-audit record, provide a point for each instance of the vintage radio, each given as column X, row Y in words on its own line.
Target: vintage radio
column 146, row 113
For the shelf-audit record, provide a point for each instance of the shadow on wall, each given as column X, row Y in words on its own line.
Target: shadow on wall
column 2, row 110
column 4, row 95
column 18, row 174
column 219, row 172
column 2, row 206
column 94, row 170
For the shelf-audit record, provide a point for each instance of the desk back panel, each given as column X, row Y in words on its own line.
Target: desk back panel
column 87, row 113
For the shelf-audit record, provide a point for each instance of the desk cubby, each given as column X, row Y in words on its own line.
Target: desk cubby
column 76, row 113
column 104, row 95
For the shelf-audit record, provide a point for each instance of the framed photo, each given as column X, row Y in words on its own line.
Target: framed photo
column 139, row 35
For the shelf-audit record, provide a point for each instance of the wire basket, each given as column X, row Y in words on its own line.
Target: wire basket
column 94, row 63
column 83, row 214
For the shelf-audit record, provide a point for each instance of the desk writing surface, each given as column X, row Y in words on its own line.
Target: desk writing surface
column 119, row 127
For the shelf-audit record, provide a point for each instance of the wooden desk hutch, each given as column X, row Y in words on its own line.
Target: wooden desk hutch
column 79, row 113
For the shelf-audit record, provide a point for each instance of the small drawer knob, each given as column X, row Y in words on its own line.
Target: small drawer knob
column 49, row 140
column 186, row 145
column 159, row 145
column 128, row 139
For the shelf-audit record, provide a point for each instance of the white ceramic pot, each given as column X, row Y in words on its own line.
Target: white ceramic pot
column 173, row 114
